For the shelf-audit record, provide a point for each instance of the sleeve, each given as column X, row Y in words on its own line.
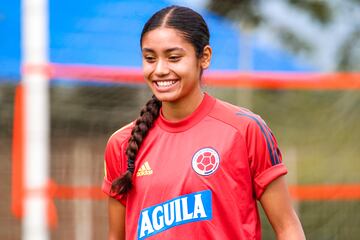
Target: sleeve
column 264, row 155
column 114, row 165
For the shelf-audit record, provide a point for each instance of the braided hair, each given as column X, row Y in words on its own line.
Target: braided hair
column 143, row 124
column 194, row 29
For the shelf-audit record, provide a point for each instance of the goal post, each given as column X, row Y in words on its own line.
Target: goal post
column 36, row 120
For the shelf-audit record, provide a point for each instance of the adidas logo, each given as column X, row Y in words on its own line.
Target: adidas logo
column 144, row 170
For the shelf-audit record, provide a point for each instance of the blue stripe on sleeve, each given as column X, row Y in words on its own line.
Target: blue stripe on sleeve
column 270, row 143
column 271, row 136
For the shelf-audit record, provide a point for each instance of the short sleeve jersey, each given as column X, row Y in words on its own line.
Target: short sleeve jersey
column 198, row 178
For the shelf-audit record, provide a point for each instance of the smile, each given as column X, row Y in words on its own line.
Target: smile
column 165, row 83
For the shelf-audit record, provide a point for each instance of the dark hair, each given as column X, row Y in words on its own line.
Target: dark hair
column 194, row 29
column 188, row 22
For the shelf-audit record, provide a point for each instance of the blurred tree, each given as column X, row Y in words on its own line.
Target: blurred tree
column 349, row 52
column 325, row 16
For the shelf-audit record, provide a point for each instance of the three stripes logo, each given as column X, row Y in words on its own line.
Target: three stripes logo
column 144, row 170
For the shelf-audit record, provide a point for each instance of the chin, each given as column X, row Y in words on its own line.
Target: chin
column 166, row 97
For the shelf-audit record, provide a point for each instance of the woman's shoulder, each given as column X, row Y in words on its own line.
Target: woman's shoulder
column 236, row 116
column 121, row 135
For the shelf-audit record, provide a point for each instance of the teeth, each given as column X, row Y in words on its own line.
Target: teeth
column 165, row 83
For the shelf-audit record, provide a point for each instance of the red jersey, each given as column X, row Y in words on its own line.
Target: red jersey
column 198, row 178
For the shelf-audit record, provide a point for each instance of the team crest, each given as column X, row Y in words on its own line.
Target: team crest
column 205, row 161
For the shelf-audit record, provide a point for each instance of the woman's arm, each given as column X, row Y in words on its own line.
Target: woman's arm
column 276, row 203
column 116, row 213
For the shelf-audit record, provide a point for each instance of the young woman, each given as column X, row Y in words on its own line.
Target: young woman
column 192, row 166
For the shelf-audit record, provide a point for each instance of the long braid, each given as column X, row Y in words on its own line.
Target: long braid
column 143, row 124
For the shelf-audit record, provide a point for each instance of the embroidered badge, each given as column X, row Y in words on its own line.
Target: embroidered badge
column 205, row 161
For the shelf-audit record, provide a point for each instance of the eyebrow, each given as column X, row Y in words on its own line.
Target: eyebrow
column 167, row 50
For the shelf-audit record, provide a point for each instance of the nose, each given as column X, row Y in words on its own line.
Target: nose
column 161, row 68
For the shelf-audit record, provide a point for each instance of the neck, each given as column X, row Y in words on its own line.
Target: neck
column 176, row 111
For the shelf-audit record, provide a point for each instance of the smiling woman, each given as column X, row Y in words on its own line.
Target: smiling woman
column 201, row 164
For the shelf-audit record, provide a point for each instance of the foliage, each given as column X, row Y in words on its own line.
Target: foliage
column 327, row 21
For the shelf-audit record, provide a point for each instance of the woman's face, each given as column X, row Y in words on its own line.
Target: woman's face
column 170, row 66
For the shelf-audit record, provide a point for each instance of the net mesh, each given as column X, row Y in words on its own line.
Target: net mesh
column 318, row 133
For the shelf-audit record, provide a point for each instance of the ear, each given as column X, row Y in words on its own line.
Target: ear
column 206, row 57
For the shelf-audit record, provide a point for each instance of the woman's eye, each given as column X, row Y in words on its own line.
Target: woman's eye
column 174, row 58
column 149, row 58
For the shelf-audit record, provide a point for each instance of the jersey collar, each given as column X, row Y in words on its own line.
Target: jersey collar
column 179, row 126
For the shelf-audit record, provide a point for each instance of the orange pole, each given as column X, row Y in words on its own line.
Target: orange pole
column 260, row 80
column 339, row 192
column 79, row 192
column 325, row 192
column 285, row 80
column 17, row 155
column 17, row 175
